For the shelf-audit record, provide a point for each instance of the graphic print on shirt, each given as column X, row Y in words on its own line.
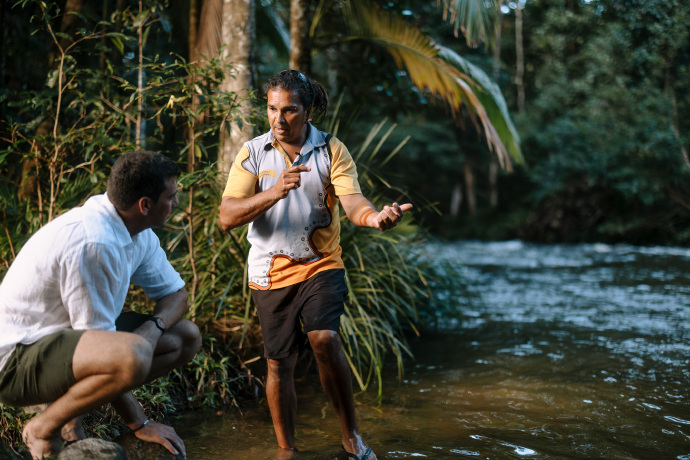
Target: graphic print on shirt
column 287, row 230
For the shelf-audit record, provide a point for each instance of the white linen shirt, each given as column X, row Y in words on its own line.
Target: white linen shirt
column 75, row 272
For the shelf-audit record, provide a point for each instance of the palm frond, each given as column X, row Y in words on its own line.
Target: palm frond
column 442, row 73
column 490, row 97
column 475, row 18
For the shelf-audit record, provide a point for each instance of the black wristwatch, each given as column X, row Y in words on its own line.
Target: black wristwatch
column 158, row 322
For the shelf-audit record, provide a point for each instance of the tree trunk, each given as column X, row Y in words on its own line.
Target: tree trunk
column 208, row 38
column 676, row 131
column 193, row 26
column 497, row 43
column 300, row 42
column 115, row 55
column 456, row 199
column 493, row 182
column 493, row 166
column 520, row 71
column 204, row 43
column 3, row 51
column 68, row 25
column 105, row 14
column 238, row 35
column 141, row 82
column 470, row 189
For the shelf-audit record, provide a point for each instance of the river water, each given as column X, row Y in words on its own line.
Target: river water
column 563, row 352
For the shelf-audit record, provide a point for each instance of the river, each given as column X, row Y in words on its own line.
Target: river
column 563, row 352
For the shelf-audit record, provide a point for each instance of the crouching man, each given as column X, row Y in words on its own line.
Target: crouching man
column 65, row 340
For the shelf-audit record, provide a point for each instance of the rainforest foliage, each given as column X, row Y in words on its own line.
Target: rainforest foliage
column 548, row 120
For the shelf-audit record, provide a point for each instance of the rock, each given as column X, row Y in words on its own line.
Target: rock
column 141, row 450
column 93, row 449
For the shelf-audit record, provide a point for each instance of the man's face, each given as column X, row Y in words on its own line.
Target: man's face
column 160, row 211
column 287, row 117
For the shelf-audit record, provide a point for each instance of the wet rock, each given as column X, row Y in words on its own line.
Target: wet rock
column 93, row 449
column 141, row 450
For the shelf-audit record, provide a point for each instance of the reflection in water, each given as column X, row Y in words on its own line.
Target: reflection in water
column 565, row 351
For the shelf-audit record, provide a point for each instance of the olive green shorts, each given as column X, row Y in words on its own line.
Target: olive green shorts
column 41, row 372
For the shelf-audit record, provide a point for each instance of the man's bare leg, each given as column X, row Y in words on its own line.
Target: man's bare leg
column 105, row 364
column 336, row 380
column 282, row 402
column 176, row 347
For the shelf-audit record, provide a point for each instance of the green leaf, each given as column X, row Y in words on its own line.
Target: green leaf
column 117, row 43
column 141, row 18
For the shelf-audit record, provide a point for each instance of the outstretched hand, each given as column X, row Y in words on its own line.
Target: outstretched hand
column 390, row 216
column 289, row 179
column 164, row 435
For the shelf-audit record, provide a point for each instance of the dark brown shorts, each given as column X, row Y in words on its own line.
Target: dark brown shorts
column 288, row 313
column 41, row 372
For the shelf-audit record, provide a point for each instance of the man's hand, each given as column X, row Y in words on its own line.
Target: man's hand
column 289, row 179
column 164, row 435
column 389, row 216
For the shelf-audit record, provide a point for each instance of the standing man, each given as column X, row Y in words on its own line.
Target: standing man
column 285, row 184
column 63, row 335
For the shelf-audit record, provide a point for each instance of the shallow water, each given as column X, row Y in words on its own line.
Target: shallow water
column 564, row 351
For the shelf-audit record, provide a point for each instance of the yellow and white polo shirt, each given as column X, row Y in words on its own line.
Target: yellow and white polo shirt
column 300, row 235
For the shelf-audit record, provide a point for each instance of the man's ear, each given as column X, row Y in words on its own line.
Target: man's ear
column 144, row 205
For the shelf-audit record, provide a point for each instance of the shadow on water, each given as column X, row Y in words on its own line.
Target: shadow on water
column 566, row 352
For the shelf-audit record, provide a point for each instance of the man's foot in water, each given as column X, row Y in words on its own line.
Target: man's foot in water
column 286, row 453
column 355, row 446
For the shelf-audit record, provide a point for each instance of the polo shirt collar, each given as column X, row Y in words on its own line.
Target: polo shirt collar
column 314, row 140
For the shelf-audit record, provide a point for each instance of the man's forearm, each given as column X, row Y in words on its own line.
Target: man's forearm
column 236, row 212
column 358, row 209
column 172, row 308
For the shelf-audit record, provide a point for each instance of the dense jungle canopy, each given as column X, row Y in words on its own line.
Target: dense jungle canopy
column 597, row 90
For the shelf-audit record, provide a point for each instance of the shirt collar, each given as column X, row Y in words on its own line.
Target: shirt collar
column 103, row 205
column 315, row 139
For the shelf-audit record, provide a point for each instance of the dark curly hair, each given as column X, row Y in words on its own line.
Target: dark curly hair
column 139, row 174
column 311, row 92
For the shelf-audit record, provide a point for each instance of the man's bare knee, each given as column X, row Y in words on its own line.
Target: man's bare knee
column 134, row 361
column 282, row 368
column 190, row 336
column 125, row 356
column 183, row 338
column 325, row 344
